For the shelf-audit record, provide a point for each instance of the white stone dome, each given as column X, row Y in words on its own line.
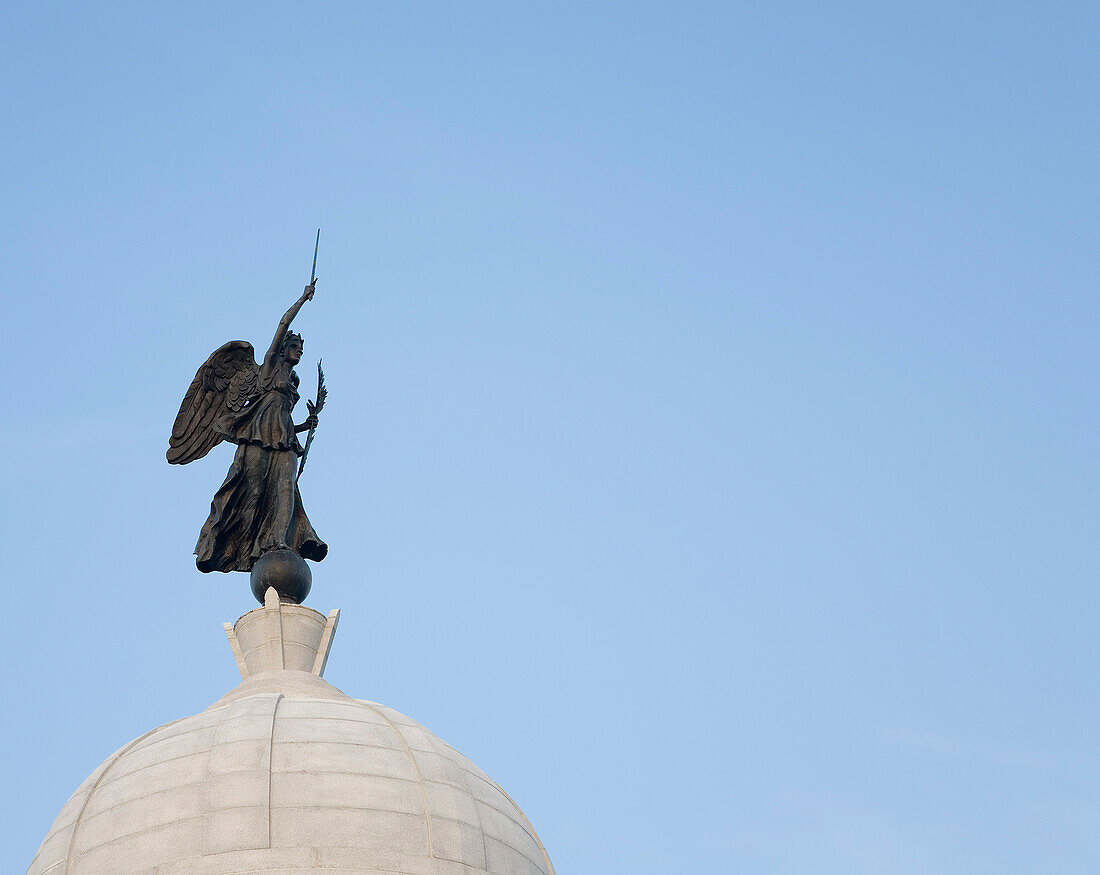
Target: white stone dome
column 287, row 774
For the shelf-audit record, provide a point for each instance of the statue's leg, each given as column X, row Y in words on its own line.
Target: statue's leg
column 280, row 496
column 256, row 503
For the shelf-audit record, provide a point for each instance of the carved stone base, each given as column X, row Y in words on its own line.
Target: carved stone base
column 281, row 636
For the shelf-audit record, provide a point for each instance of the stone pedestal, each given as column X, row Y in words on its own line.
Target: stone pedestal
column 281, row 636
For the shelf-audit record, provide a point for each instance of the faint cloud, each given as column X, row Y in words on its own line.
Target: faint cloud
column 800, row 830
column 935, row 743
column 922, row 740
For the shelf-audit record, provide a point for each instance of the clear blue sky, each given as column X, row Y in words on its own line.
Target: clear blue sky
column 711, row 452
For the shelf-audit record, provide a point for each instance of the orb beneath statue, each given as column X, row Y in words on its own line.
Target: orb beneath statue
column 286, row 571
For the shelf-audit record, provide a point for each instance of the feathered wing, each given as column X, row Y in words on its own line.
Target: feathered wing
column 226, row 382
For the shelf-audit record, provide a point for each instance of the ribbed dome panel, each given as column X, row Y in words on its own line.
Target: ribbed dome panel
column 271, row 783
column 287, row 774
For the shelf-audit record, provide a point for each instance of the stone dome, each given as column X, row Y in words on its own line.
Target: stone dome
column 288, row 774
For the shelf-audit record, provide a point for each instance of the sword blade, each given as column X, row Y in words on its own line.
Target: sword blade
column 313, row 271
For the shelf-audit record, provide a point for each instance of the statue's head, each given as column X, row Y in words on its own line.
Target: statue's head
column 291, row 348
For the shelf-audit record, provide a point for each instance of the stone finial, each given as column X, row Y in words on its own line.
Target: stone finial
column 281, row 637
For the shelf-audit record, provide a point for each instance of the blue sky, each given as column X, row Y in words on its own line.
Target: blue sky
column 711, row 444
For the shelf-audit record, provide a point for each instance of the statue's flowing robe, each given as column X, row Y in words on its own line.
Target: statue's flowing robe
column 258, row 507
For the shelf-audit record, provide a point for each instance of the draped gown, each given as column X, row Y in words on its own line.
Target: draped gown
column 258, row 507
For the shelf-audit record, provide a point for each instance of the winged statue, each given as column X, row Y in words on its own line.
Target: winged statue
column 232, row 398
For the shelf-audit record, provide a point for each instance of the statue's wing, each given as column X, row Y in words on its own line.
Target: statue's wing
column 228, row 380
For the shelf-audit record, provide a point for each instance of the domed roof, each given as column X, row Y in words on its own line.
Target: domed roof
column 288, row 774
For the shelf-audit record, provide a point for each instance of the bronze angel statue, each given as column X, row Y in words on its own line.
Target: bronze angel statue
column 258, row 508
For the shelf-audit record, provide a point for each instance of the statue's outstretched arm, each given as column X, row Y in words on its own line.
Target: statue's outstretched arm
column 284, row 324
